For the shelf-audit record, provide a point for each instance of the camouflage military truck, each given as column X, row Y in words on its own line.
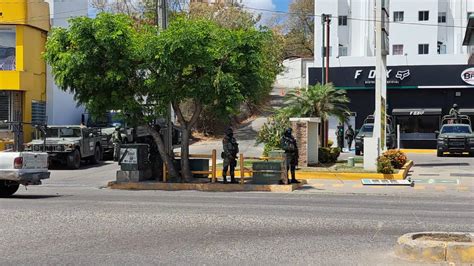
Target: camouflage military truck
column 69, row 145
column 455, row 136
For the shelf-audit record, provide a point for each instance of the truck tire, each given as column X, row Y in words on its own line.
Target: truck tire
column 439, row 153
column 96, row 158
column 74, row 159
column 8, row 188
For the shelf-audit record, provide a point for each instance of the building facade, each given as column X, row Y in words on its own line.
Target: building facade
column 24, row 25
column 426, row 62
column 62, row 109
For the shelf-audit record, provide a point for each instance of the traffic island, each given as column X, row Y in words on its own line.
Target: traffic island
column 208, row 187
column 437, row 247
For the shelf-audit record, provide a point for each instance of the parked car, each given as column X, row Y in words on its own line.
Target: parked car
column 455, row 136
column 69, row 145
column 21, row 168
column 367, row 130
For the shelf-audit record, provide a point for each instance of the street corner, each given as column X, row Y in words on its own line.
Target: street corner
column 455, row 247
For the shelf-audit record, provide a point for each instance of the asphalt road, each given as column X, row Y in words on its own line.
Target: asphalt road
column 72, row 219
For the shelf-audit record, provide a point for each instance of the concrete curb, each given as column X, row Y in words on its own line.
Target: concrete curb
column 419, row 151
column 402, row 174
column 411, row 248
column 208, row 187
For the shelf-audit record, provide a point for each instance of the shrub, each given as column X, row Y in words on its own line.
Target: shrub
column 397, row 158
column 329, row 155
column 384, row 165
column 272, row 131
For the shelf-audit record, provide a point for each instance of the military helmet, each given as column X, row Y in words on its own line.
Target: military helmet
column 455, row 105
column 229, row 131
column 288, row 131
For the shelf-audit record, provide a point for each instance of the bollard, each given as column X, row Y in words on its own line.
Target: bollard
column 214, row 166
column 350, row 161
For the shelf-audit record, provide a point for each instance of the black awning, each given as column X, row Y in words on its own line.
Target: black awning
column 413, row 111
column 466, row 111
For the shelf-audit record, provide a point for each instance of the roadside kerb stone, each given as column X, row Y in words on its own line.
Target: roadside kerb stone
column 414, row 247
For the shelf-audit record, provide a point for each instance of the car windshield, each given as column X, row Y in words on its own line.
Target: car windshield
column 461, row 129
column 63, row 132
column 367, row 129
column 107, row 120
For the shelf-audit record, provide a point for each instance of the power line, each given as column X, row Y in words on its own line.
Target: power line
column 352, row 18
column 42, row 17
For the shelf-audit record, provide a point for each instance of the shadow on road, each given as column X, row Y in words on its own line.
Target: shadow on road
column 84, row 166
column 440, row 164
column 35, row 196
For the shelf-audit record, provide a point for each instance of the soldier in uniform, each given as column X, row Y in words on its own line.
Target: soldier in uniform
column 288, row 144
column 350, row 136
column 454, row 112
column 231, row 149
column 340, row 136
column 117, row 141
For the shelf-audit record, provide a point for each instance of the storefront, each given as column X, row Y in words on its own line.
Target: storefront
column 417, row 96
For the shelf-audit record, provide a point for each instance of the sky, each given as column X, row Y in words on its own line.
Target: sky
column 274, row 5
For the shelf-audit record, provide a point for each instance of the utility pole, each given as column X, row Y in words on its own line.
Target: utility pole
column 323, row 29
column 162, row 23
column 375, row 146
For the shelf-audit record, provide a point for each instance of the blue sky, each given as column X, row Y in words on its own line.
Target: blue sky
column 281, row 5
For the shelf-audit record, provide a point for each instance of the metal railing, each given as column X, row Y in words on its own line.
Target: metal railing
column 241, row 169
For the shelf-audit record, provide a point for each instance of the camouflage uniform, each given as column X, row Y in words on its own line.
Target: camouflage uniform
column 288, row 144
column 231, row 149
column 117, row 140
column 350, row 136
column 340, row 136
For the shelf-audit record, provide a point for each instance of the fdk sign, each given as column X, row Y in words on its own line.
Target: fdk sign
column 397, row 76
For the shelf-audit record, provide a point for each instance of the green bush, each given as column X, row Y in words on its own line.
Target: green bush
column 397, row 158
column 384, row 165
column 329, row 155
column 272, row 131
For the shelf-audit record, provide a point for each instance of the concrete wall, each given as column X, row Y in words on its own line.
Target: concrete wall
column 294, row 73
column 61, row 106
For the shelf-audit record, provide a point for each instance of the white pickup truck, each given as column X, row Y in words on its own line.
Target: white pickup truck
column 21, row 168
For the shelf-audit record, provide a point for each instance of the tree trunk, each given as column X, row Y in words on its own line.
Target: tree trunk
column 186, row 127
column 185, row 166
column 162, row 149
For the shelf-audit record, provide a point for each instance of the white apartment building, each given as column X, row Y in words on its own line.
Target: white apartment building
column 61, row 108
column 426, row 61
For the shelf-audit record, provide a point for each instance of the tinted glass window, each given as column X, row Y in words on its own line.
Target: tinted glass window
column 69, row 132
column 456, row 129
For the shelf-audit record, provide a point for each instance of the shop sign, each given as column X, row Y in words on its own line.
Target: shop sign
column 393, row 77
column 468, row 76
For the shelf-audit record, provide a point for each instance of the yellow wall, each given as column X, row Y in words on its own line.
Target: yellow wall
column 31, row 19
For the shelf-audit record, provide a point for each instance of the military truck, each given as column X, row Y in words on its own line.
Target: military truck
column 107, row 124
column 455, row 136
column 69, row 145
column 367, row 130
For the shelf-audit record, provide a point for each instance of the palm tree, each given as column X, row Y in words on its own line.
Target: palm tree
column 319, row 101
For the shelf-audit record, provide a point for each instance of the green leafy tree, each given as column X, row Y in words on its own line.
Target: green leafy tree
column 203, row 64
column 272, row 131
column 110, row 62
column 299, row 37
column 101, row 62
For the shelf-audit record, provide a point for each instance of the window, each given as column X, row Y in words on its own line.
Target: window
column 38, row 112
column 323, row 52
column 423, row 15
column 7, row 48
column 342, row 20
column 398, row 16
column 342, row 51
column 441, row 48
column 442, row 17
column 423, row 48
column 10, row 107
column 397, row 49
